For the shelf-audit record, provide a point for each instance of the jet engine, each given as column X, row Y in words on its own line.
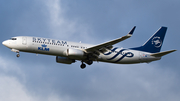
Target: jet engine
column 64, row 60
column 75, row 53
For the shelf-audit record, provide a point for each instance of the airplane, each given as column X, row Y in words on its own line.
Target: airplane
column 69, row 52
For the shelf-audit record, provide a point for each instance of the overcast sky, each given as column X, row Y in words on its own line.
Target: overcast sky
column 40, row 78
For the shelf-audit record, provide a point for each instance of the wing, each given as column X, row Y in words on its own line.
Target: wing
column 108, row 45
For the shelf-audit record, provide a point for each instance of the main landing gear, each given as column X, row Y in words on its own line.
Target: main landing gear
column 83, row 65
column 89, row 62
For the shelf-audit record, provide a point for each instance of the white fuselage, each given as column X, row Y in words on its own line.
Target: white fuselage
column 59, row 48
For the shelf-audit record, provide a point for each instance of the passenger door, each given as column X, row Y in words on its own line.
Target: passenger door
column 24, row 40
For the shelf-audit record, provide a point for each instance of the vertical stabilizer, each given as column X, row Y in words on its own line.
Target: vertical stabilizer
column 155, row 42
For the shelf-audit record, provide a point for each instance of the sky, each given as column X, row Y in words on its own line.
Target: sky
column 38, row 77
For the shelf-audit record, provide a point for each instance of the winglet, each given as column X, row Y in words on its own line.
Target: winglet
column 132, row 30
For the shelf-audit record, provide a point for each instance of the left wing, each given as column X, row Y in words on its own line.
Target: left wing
column 108, row 45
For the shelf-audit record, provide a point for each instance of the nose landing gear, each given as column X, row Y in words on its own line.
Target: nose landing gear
column 18, row 55
column 17, row 51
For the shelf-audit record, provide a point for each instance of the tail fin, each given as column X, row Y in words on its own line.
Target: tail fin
column 154, row 44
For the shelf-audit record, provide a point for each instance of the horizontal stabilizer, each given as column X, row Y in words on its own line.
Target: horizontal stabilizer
column 160, row 54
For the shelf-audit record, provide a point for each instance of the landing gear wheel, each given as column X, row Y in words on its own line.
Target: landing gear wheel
column 18, row 55
column 83, row 66
column 90, row 62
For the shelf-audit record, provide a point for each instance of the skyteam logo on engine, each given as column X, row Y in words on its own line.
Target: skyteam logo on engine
column 43, row 48
column 157, row 42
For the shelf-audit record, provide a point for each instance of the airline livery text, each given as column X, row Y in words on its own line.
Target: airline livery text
column 49, row 41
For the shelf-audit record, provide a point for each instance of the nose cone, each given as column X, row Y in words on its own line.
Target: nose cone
column 5, row 43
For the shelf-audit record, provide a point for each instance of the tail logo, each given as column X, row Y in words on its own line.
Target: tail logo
column 157, row 42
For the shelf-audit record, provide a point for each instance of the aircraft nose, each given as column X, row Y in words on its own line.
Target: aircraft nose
column 4, row 43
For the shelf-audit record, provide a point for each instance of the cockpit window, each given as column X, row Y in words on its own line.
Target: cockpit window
column 13, row 38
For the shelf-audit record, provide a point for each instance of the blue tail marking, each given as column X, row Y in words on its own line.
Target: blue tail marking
column 154, row 44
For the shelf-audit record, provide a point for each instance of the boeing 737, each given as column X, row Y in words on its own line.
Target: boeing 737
column 69, row 52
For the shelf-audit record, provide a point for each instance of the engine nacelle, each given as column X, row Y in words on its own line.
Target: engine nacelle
column 75, row 53
column 64, row 60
